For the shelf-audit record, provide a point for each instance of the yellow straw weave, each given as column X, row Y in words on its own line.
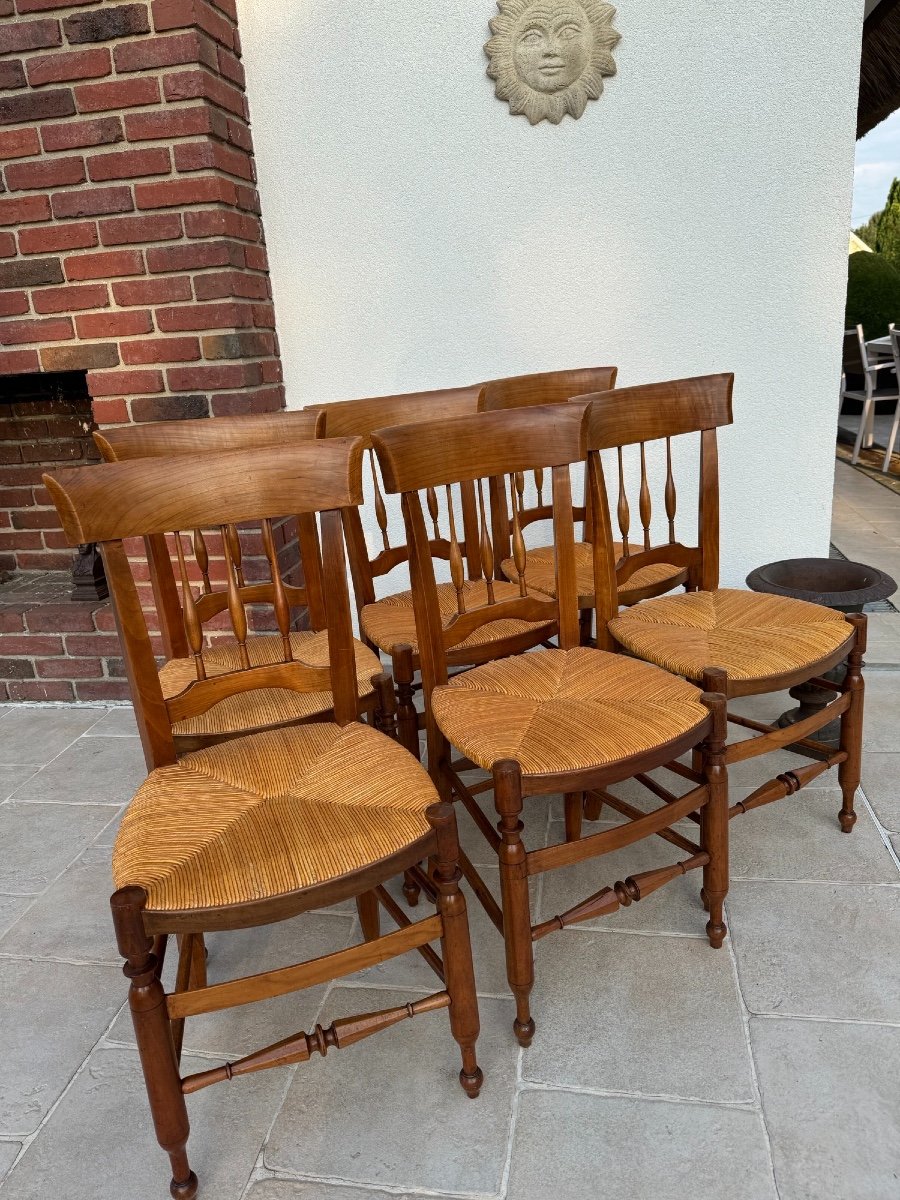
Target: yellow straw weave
column 540, row 572
column 391, row 622
column 564, row 710
column 268, row 814
column 261, row 708
column 748, row 634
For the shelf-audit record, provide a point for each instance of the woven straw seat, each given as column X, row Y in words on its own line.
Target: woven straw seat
column 564, row 710
column 391, row 622
column 268, row 814
column 264, row 707
column 540, row 572
column 751, row 636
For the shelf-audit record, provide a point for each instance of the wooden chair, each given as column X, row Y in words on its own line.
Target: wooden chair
column 266, row 708
column 565, row 720
column 264, row 827
column 557, row 387
column 388, row 622
column 868, row 383
column 760, row 643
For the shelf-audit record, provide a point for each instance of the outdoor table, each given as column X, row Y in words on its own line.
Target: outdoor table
column 880, row 347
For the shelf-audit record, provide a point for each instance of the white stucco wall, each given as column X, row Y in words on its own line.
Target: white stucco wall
column 694, row 220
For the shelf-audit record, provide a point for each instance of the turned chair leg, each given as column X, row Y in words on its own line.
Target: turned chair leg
column 574, row 811
column 593, row 806
column 147, row 1001
column 369, row 915
column 850, row 770
column 457, row 950
column 407, row 717
column 514, row 891
column 386, row 711
column 714, row 814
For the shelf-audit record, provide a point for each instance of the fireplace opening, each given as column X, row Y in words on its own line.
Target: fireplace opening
column 57, row 639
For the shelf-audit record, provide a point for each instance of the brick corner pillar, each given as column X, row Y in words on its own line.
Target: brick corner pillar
column 131, row 244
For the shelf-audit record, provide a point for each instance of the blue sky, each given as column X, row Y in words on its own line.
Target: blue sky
column 877, row 162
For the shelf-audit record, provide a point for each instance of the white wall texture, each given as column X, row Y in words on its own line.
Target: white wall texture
column 694, row 220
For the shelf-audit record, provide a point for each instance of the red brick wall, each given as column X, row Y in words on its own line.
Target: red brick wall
column 130, row 238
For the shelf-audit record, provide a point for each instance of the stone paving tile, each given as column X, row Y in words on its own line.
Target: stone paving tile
column 800, row 838
column 630, row 1013
column 882, row 711
column 37, row 735
column 117, row 722
column 40, row 840
column 11, row 908
column 389, row 1111
column 99, row 1142
column 575, row 1147
column 676, row 908
column 12, row 775
column 287, row 1189
column 832, row 1107
column 818, row 949
column 71, row 919
column 97, row 770
column 881, row 783
column 239, row 1031
column 51, row 1014
column 8, row 1152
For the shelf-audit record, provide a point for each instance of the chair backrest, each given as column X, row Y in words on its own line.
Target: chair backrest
column 856, row 357
column 895, row 346
column 525, row 391
column 359, row 418
column 638, row 416
column 163, row 439
column 214, row 492
column 487, row 448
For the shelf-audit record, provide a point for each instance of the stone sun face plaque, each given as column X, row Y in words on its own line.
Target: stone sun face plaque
column 549, row 57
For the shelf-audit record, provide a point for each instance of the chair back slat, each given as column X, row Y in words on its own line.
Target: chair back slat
column 492, row 450
column 645, row 505
column 193, row 625
column 213, row 494
column 658, row 413
column 671, row 495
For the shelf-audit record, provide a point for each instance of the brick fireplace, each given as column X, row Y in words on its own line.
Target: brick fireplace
column 131, row 260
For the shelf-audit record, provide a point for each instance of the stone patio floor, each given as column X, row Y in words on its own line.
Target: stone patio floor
column 661, row 1070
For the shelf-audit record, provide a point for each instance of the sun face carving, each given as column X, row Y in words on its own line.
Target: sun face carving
column 549, row 57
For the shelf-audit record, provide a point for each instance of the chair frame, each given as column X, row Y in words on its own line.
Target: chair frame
column 895, row 425
column 701, row 406
column 166, row 439
column 497, row 446
column 194, row 492
column 869, row 396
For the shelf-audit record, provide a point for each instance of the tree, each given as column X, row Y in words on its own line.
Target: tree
column 873, row 294
column 869, row 232
column 887, row 241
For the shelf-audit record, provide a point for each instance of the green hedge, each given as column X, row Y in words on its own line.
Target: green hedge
column 873, row 294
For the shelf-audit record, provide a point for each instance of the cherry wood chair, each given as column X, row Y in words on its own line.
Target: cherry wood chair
column 388, row 622
column 266, row 708
column 759, row 643
column 564, row 720
column 264, row 827
column 557, row 387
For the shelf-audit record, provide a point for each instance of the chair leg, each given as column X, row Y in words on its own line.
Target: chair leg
column 593, row 807
column 514, row 891
column 456, row 946
column 147, row 1001
column 574, row 811
column 850, row 770
column 386, row 711
column 892, row 440
column 714, row 814
column 369, row 915
column 861, row 433
column 407, row 717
